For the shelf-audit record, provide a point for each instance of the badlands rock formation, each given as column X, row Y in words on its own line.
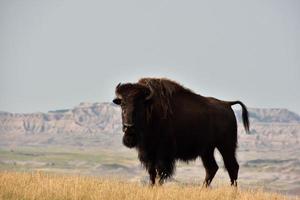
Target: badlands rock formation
column 269, row 127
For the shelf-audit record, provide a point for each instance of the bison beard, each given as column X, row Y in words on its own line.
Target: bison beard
column 170, row 122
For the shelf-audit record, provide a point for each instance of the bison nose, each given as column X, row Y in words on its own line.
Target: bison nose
column 127, row 126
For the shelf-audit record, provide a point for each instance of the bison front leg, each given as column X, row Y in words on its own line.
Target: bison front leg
column 165, row 170
column 152, row 174
column 162, row 177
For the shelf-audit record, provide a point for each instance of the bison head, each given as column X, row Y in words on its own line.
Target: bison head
column 133, row 99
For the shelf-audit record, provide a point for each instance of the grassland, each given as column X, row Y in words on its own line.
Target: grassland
column 45, row 186
column 123, row 164
column 58, row 159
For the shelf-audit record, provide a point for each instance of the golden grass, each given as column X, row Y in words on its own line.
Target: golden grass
column 39, row 185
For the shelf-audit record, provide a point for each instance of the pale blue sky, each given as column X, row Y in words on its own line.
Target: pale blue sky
column 56, row 54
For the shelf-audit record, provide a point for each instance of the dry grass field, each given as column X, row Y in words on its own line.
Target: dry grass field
column 38, row 185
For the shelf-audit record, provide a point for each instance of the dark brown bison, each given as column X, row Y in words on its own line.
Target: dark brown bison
column 166, row 122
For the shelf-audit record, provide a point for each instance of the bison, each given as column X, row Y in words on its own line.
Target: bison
column 166, row 122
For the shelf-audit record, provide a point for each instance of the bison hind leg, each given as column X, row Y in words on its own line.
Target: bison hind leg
column 230, row 163
column 210, row 166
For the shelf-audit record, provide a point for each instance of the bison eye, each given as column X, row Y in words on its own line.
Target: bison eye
column 117, row 101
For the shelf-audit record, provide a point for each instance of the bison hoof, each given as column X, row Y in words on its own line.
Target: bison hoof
column 234, row 183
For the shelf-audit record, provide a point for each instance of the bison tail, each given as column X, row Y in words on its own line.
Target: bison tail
column 245, row 115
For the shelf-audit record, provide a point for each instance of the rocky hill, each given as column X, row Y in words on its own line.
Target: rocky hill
column 271, row 115
column 84, row 118
column 106, row 117
column 268, row 127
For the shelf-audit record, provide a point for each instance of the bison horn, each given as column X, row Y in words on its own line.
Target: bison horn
column 118, row 95
column 151, row 93
column 118, row 85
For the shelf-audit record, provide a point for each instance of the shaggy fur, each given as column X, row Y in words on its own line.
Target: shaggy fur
column 177, row 124
column 163, row 91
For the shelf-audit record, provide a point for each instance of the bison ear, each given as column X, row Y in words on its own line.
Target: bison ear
column 117, row 101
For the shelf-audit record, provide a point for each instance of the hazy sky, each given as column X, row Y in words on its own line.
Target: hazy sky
column 55, row 54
